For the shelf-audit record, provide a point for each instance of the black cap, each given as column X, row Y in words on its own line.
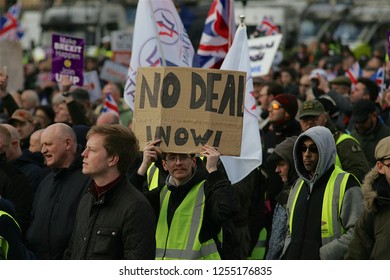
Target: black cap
column 361, row 110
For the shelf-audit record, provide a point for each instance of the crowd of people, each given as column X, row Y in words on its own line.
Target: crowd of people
column 74, row 184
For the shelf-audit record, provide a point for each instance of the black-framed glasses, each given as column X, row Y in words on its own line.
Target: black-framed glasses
column 387, row 165
column 312, row 149
column 180, row 157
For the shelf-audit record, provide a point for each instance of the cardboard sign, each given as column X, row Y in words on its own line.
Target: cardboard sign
column 189, row 107
column 67, row 58
column 262, row 52
column 11, row 55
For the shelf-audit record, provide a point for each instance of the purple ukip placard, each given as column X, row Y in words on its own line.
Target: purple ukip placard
column 67, row 58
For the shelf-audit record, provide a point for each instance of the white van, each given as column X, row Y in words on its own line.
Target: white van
column 88, row 20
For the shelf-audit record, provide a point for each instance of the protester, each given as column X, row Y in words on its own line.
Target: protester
column 324, row 203
column 349, row 154
column 125, row 113
column 23, row 160
column 193, row 189
column 116, row 218
column 11, row 241
column 370, row 240
column 23, row 121
column 283, row 156
column 368, row 129
column 15, row 185
column 58, row 194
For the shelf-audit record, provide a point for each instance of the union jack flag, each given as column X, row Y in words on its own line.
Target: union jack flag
column 218, row 34
column 110, row 105
column 354, row 72
column 267, row 27
column 10, row 28
column 379, row 78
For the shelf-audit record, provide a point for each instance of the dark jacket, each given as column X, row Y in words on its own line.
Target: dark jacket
column 371, row 239
column 119, row 225
column 30, row 168
column 15, row 187
column 369, row 140
column 54, row 210
column 304, row 240
column 221, row 202
column 11, row 232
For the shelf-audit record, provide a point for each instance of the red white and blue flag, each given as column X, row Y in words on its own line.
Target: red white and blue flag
column 267, row 27
column 251, row 155
column 354, row 72
column 10, row 28
column 218, row 34
column 379, row 78
column 159, row 39
column 110, row 105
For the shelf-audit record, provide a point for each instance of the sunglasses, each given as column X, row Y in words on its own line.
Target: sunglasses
column 312, row 149
column 275, row 106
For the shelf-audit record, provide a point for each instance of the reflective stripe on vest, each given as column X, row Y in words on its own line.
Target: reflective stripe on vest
column 341, row 138
column 331, row 205
column 258, row 252
column 181, row 240
column 4, row 243
column 152, row 176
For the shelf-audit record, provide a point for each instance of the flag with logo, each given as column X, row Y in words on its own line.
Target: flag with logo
column 10, row 28
column 218, row 34
column 267, row 27
column 159, row 39
column 251, row 152
column 110, row 105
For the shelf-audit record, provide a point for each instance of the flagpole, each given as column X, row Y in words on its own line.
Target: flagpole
column 163, row 62
column 242, row 19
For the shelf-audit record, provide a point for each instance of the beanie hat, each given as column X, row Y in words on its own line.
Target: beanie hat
column 289, row 102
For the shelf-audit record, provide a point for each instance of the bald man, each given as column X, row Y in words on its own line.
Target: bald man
column 14, row 185
column 59, row 193
column 23, row 160
column 108, row 118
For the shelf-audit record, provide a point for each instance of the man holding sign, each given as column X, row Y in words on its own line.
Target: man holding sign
column 192, row 206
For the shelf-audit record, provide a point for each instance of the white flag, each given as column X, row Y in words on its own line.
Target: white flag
column 159, row 39
column 237, row 58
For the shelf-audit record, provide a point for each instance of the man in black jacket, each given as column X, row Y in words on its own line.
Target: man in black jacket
column 114, row 220
column 58, row 194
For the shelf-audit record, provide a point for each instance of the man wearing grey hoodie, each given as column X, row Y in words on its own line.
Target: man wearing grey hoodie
column 325, row 202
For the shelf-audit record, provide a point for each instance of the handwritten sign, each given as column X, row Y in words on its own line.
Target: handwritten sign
column 190, row 107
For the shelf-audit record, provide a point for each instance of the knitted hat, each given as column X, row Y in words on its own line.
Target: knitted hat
column 289, row 102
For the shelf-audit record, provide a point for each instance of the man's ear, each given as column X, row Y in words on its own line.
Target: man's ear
column 164, row 163
column 114, row 160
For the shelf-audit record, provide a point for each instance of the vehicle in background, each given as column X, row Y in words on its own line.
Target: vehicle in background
column 319, row 19
column 31, row 24
column 364, row 29
column 284, row 15
column 88, row 20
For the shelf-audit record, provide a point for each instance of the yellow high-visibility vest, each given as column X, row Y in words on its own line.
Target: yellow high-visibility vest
column 181, row 240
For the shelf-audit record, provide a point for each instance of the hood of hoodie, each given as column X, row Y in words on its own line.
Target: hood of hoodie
column 325, row 143
column 376, row 191
column 285, row 151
